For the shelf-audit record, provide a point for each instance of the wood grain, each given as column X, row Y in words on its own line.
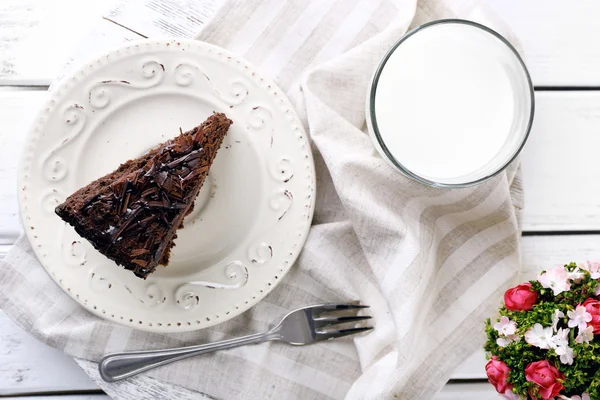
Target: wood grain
column 104, row 34
column 562, row 189
column 37, row 35
column 17, row 111
column 29, row 366
column 555, row 38
column 164, row 18
column 18, row 18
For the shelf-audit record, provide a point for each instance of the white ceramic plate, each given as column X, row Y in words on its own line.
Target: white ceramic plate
column 251, row 218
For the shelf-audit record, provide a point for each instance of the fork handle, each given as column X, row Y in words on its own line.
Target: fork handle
column 117, row 366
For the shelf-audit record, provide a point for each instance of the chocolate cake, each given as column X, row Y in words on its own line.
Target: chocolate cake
column 132, row 214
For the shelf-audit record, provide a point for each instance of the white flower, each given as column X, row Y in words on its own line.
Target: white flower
column 597, row 292
column 556, row 318
column 592, row 267
column 584, row 396
column 561, row 346
column 566, row 354
column 540, row 337
column 509, row 395
column 505, row 341
column 585, row 335
column 577, row 275
column 506, row 327
column 556, row 279
column 561, row 338
column 579, row 317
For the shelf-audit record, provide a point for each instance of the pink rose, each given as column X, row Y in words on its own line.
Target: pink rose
column 520, row 298
column 593, row 307
column 546, row 377
column 497, row 372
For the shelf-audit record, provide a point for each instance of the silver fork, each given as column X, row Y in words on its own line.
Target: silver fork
column 302, row 326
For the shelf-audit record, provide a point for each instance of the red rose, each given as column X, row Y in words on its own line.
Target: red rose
column 497, row 372
column 593, row 307
column 520, row 298
column 546, row 377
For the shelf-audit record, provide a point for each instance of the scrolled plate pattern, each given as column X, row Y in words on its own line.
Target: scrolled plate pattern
column 250, row 220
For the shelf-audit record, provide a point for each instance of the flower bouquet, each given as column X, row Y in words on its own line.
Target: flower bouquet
column 543, row 345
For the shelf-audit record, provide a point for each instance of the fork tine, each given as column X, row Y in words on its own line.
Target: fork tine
column 334, row 307
column 328, row 335
column 331, row 320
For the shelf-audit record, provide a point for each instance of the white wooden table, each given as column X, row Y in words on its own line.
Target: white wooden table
column 560, row 162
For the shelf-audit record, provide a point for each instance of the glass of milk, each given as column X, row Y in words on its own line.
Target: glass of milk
column 451, row 104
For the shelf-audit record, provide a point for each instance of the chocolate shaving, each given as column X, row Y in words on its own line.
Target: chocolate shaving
column 141, row 263
column 125, row 203
column 139, row 252
column 194, row 155
column 150, row 191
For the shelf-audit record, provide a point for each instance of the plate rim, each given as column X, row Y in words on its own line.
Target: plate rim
column 25, row 166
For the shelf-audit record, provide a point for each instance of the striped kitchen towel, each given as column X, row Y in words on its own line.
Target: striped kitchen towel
column 432, row 263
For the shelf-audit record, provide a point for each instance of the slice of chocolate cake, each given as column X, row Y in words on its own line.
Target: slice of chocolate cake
column 132, row 214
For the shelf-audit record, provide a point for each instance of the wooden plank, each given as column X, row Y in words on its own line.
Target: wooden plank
column 164, row 18
column 18, row 18
column 541, row 252
column 562, row 192
column 473, row 367
column 17, row 111
column 37, row 35
column 102, row 36
column 562, row 189
column 29, row 366
column 556, row 39
column 136, row 19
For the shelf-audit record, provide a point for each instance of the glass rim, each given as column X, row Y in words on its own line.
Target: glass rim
column 373, row 118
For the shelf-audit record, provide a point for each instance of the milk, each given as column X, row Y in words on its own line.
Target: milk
column 452, row 104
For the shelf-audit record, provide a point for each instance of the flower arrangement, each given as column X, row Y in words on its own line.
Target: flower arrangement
column 545, row 344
